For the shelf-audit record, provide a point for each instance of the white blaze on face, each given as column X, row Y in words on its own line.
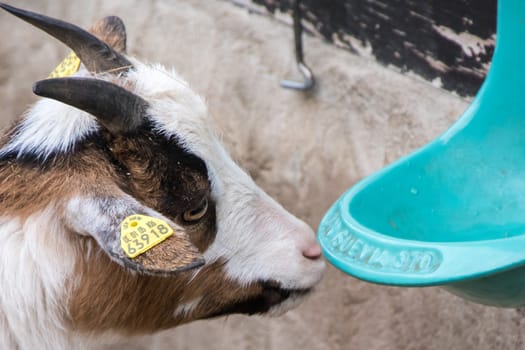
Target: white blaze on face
column 259, row 239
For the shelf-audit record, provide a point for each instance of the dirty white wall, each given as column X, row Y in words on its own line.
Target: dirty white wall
column 304, row 149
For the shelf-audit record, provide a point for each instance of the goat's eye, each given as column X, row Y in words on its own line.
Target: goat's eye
column 196, row 213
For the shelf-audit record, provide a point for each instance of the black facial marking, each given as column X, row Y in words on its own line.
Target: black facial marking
column 154, row 169
column 270, row 294
column 165, row 176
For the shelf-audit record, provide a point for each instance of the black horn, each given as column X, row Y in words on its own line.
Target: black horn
column 116, row 108
column 96, row 55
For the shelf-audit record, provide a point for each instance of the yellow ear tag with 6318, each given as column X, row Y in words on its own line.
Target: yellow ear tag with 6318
column 67, row 67
column 139, row 233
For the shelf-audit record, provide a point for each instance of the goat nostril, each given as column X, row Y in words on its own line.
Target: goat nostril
column 313, row 251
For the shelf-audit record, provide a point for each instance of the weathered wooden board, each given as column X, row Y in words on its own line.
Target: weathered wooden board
column 448, row 42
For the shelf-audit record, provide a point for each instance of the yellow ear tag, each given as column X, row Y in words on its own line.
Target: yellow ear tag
column 67, row 67
column 140, row 233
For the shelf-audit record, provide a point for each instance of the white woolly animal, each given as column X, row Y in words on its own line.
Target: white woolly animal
column 116, row 139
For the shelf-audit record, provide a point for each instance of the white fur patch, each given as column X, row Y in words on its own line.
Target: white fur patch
column 36, row 258
column 50, row 127
column 175, row 108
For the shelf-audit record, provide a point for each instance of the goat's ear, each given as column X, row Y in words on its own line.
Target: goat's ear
column 101, row 217
column 112, row 31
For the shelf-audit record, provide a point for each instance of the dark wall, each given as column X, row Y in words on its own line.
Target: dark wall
column 414, row 35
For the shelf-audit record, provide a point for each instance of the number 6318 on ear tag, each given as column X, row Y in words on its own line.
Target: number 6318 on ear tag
column 139, row 233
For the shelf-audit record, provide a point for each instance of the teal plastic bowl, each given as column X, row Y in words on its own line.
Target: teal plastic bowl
column 452, row 213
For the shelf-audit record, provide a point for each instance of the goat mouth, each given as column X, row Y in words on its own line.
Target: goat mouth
column 271, row 295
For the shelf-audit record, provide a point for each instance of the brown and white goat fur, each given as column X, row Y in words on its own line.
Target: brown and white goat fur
column 129, row 138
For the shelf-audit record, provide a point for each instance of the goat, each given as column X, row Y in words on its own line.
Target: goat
column 122, row 140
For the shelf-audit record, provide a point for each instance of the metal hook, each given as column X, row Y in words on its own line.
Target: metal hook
column 306, row 73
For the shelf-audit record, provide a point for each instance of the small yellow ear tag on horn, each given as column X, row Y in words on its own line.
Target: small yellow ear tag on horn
column 67, row 67
column 140, row 233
